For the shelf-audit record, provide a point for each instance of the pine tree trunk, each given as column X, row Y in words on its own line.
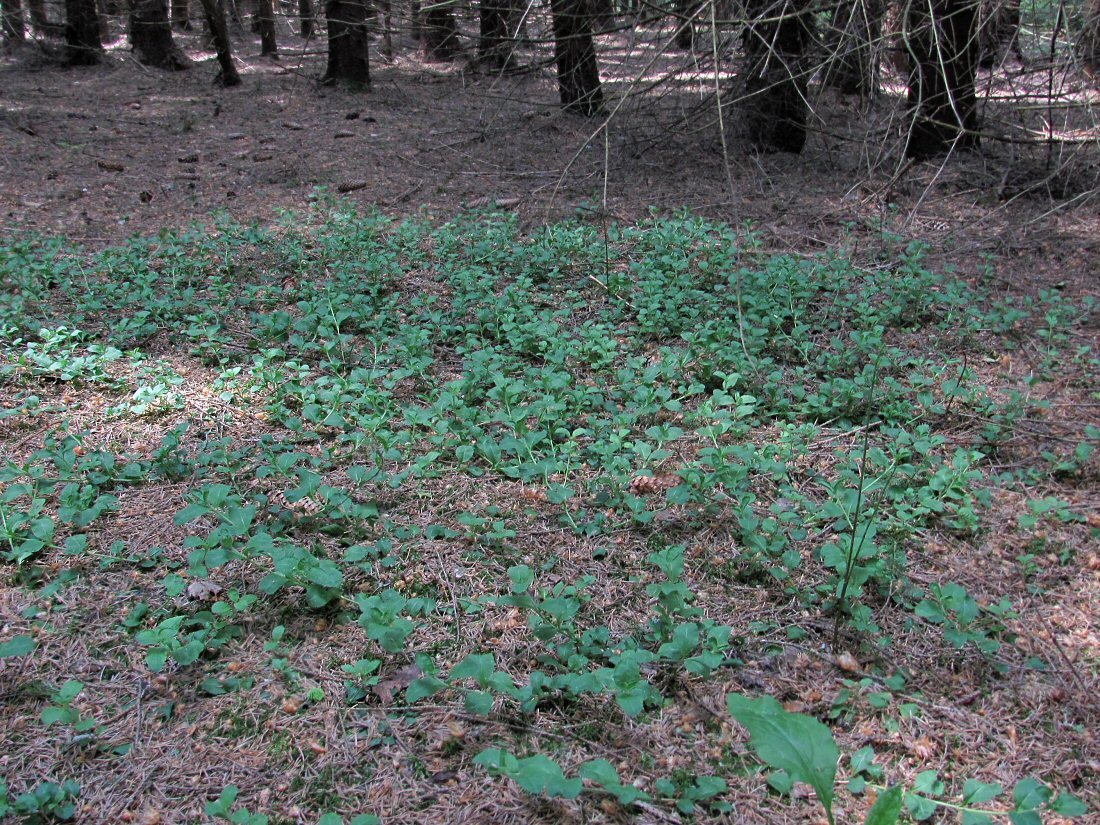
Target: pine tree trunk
column 181, row 15
column 494, row 46
column 41, row 23
column 1088, row 41
column 438, row 31
column 347, row 42
column 685, row 24
column 941, row 36
column 998, row 31
column 214, row 11
column 776, row 42
column 82, row 44
column 265, row 13
column 578, row 72
column 12, row 13
column 151, row 36
column 852, row 43
column 102, row 11
column 305, row 18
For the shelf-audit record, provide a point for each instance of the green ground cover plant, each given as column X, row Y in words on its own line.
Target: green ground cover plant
column 558, row 486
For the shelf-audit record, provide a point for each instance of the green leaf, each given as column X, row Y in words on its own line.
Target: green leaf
column 1030, row 794
column 365, row 819
column 424, row 687
column 919, row 807
column 975, row 792
column 156, row 658
column 76, row 544
column 540, row 774
column 69, row 691
column 479, row 703
column 976, row 818
column 887, row 807
column 521, row 577
column 603, row 773
column 19, row 645
column 793, row 742
column 476, row 666
column 1067, row 804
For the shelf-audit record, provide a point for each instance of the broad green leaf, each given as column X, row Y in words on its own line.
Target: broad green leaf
column 920, row 808
column 793, row 742
column 887, row 807
column 423, row 687
column 1069, row 805
column 975, row 792
column 541, row 774
column 476, row 666
column 1030, row 794
column 479, row 702
column 19, row 645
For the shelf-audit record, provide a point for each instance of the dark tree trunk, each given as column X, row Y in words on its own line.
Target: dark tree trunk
column 265, row 13
column 578, row 73
column 305, row 18
column 151, row 36
column 214, row 11
column 181, row 15
column 1088, row 41
column 998, row 31
column 941, row 36
column 776, row 42
column 12, row 13
column 102, row 10
column 82, row 44
column 41, row 22
column 347, row 42
column 852, row 43
column 385, row 9
column 685, row 24
column 494, row 46
column 233, row 11
column 439, row 31
column 603, row 14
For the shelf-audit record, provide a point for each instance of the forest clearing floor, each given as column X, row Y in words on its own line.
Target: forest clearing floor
column 449, row 460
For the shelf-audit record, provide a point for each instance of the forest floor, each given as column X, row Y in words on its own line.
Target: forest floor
column 429, row 559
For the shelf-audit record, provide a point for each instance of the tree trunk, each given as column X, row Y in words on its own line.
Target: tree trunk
column 685, row 24
column 385, row 8
column 265, row 13
column 776, row 41
column 941, row 36
column 12, row 13
column 181, row 15
column 41, row 23
column 102, row 10
column 347, row 42
column 852, row 44
column 998, row 31
column 438, row 31
column 82, row 44
column 603, row 14
column 578, row 72
column 151, row 36
column 1088, row 42
column 494, row 47
column 305, row 18
column 214, row 11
